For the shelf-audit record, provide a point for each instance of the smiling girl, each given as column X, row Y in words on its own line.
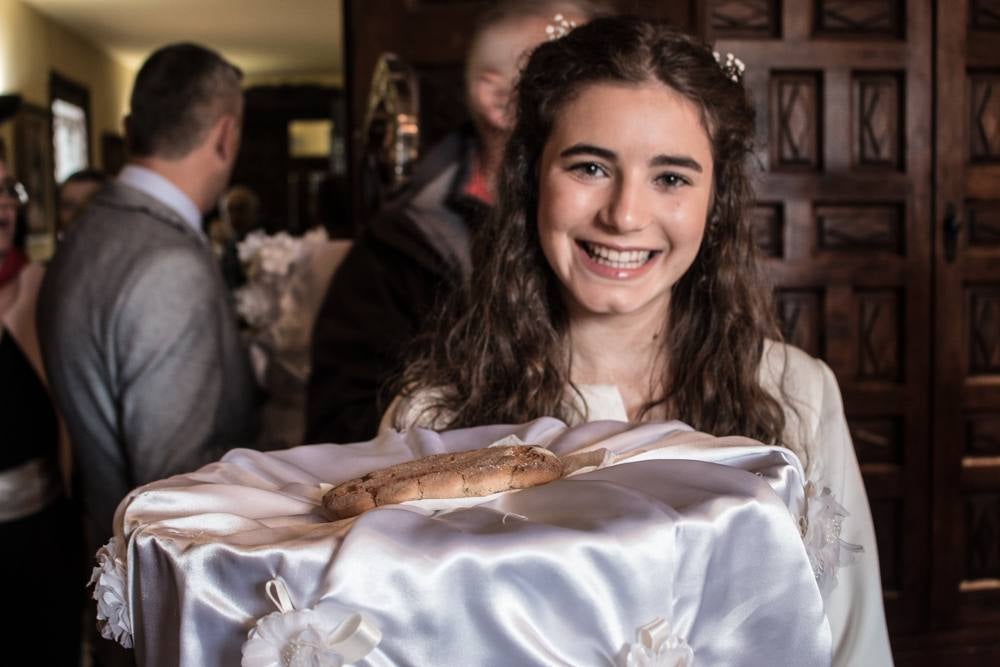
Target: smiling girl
column 618, row 279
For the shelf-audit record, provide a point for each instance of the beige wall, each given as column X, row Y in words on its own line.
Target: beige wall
column 32, row 46
column 318, row 78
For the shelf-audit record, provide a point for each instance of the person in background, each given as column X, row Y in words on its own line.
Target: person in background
column 240, row 208
column 39, row 527
column 618, row 279
column 239, row 214
column 138, row 334
column 417, row 249
column 74, row 194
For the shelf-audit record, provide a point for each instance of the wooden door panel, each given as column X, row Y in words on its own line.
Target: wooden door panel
column 843, row 96
column 967, row 321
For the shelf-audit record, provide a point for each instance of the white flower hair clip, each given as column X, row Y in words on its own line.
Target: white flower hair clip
column 731, row 66
column 559, row 27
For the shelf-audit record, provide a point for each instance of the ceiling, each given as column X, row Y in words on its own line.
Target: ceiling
column 260, row 36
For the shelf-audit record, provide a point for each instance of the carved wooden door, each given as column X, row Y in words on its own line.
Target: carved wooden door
column 843, row 93
column 966, row 428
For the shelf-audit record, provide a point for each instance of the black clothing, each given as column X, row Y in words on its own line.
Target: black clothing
column 43, row 552
column 29, row 421
column 405, row 263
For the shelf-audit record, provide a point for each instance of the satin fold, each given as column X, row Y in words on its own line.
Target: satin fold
column 697, row 531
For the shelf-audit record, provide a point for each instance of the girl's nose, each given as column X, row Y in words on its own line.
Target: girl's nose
column 627, row 209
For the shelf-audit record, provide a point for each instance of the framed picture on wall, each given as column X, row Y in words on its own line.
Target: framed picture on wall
column 33, row 154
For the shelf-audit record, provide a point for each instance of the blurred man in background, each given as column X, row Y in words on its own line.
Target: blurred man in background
column 417, row 249
column 137, row 332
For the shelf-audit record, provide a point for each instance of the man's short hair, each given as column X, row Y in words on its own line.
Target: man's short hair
column 179, row 92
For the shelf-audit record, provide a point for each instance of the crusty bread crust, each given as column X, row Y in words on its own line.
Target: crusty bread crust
column 479, row 472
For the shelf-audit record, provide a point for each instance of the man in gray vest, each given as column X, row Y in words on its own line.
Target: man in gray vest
column 139, row 341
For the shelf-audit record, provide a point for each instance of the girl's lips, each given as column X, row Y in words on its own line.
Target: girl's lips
column 616, row 270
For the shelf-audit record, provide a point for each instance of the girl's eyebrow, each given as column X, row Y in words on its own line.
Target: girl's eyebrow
column 588, row 149
column 658, row 161
column 676, row 161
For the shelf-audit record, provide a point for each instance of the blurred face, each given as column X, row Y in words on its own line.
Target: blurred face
column 625, row 183
column 8, row 218
column 72, row 198
column 240, row 212
column 496, row 60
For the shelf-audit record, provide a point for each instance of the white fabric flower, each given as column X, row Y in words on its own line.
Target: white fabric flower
column 295, row 639
column 821, row 526
column 657, row 647
column 306, row 637
column 114, row 619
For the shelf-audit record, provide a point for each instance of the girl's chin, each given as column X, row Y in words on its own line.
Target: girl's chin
column 601, row 306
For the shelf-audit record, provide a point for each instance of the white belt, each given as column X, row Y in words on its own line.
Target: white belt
column 28, row 489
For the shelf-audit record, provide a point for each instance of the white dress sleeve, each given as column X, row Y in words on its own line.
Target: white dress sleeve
column 854, row 607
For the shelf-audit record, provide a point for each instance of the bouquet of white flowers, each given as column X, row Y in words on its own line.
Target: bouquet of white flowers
column 286, row 280
column 272, row 302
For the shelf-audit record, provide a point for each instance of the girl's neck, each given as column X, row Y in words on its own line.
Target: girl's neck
column 626, row 351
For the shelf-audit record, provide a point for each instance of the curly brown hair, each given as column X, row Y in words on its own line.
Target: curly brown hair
column 499, row 351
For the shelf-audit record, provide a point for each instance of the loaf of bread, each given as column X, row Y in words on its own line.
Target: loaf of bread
column 479, row 472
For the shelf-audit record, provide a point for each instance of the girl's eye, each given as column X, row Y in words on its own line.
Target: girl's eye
column 588, row 169
column 672, row 180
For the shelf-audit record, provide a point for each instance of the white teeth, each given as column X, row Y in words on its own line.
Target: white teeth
column 628, row 259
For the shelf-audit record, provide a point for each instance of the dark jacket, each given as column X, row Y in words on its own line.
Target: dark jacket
column 403, row 265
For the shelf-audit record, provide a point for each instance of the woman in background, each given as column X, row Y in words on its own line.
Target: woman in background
column 42, row 552
column 618, row 279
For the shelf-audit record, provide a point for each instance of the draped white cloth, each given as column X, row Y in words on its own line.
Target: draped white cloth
column 816, row 430
column 563, row 574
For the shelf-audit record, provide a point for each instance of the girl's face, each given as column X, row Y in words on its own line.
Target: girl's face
column 625, row 184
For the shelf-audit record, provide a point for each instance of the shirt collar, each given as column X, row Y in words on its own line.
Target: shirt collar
column 159, row 188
